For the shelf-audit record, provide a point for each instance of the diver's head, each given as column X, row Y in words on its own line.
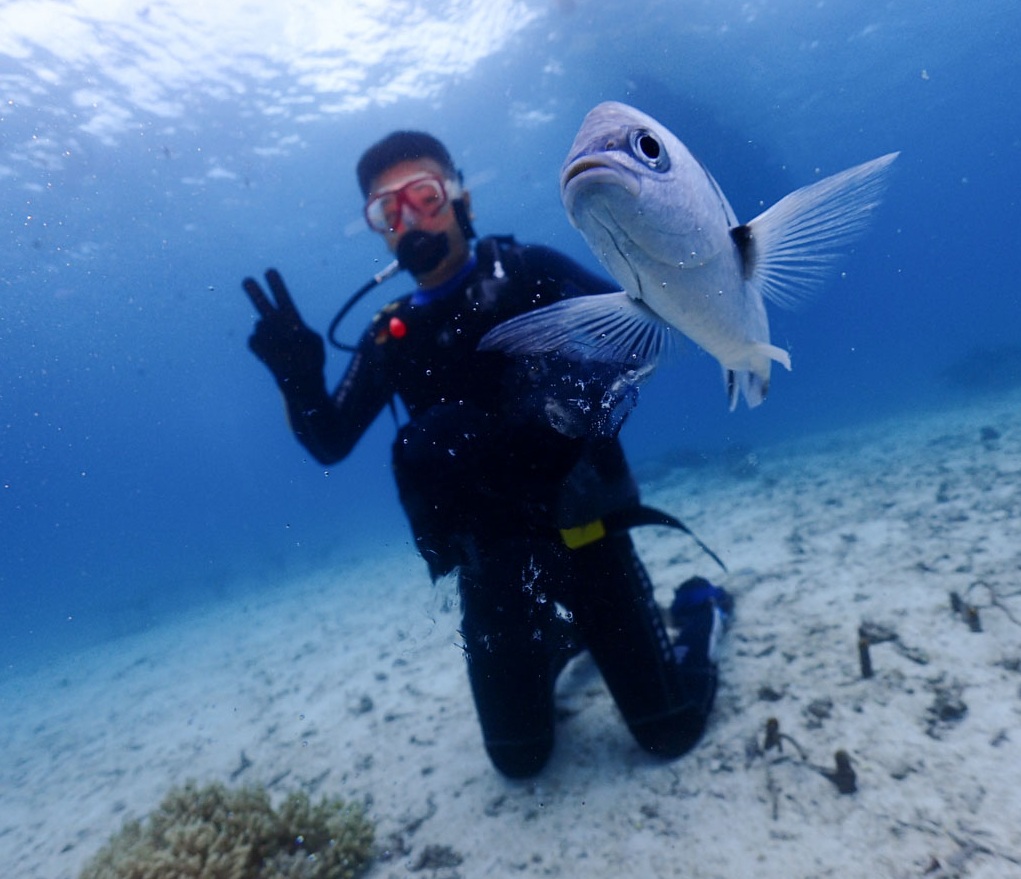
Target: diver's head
column 415, row 199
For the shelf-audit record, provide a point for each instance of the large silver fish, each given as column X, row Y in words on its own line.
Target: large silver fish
column 659, row 223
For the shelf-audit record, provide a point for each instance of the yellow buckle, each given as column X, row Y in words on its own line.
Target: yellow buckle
column 582, row 535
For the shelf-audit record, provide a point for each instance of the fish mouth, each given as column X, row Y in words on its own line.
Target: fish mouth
column 580, row 166
column 599, row 167
column 594, row 170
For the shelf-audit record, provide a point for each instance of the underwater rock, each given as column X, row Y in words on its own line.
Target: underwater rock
column 989, row 434
column 947, row 708
column 436, row 857
column 817, row 711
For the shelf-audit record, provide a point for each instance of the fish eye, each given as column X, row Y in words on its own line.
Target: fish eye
column 646, row 148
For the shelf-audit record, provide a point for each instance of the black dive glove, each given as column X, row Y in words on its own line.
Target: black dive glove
column 294, row 353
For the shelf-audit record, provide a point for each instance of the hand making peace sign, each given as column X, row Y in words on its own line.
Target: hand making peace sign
column 293, row 352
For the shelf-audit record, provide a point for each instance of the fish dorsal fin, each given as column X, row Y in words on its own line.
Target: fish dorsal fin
column 788, row 248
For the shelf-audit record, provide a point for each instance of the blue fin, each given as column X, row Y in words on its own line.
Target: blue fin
column 607, row 327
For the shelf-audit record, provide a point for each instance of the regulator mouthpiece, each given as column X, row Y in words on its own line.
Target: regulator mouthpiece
column 420, row 252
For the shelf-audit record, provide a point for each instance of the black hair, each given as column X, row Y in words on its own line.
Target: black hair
column 402, row 146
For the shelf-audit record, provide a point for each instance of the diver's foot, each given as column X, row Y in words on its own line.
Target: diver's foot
column 702, row 612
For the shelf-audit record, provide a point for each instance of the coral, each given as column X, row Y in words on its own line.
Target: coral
column 213, row 832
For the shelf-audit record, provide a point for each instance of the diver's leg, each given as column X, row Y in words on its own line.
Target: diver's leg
column 664, row 690
column 508, row 623
column 435, row 467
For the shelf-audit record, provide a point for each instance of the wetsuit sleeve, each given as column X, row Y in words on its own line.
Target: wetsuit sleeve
column 330, row 425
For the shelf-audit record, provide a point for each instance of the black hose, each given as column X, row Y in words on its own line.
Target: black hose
column 356, row 297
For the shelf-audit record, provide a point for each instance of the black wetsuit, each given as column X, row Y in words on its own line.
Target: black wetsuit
column 498, row 456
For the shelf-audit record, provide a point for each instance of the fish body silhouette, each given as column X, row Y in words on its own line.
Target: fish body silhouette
column 662, row 227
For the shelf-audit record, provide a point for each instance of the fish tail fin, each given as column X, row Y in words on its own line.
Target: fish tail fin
column 788, row 248
column 753, row 384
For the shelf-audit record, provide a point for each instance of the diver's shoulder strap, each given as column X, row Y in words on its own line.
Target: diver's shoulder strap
column 496, row 254
column 498, row 272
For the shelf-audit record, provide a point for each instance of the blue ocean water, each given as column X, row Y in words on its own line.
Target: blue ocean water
column 153, row 155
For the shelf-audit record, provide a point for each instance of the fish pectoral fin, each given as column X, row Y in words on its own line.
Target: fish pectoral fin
column 787, row 249
column 607, row 327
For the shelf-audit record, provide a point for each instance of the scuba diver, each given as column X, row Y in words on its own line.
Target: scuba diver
column 510, row 470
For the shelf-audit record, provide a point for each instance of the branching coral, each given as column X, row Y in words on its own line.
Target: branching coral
column 214, row 832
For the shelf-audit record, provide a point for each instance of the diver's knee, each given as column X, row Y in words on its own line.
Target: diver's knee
column 674, row 732
column 522, row 759
column 670, row 736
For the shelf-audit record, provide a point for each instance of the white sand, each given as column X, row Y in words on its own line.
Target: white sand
column 353, row 685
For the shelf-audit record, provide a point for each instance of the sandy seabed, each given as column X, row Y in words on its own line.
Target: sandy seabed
column 352, row 683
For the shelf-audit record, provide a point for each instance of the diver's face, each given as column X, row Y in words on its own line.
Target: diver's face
column 404, row 190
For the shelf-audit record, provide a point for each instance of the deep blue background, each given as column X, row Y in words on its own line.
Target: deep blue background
column 145, row 464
